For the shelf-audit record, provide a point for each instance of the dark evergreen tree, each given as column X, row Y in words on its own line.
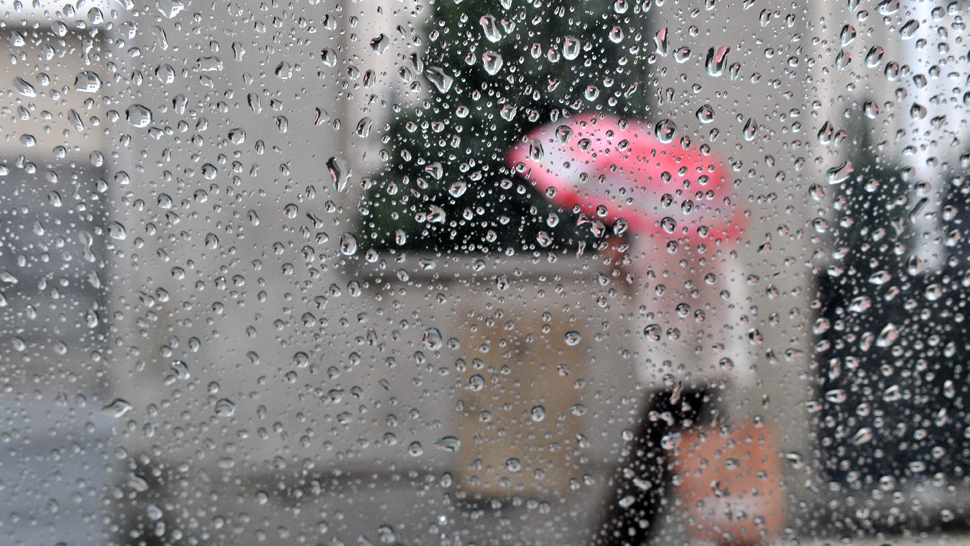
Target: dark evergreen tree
column 491, row 73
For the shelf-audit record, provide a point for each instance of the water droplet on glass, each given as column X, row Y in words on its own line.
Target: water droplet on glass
column 237, row 136
column 716, row 60
column 24, row 88
column 88, row 82
column 117, row 408
column 209, row 171
column 660, row 39
column 432, row 339
column 668, row 224
column 181, row 369
column 513, row 465
column 888, row 335
column 892, row 394
column 364, row 126
column 339, row 173
column 887, row 7
column 538, row 413
column 874, row 56
column 348, row 244
column 449, row 444
column 665, row 131
column 438, row 77
column 117, row 231
column 457, row 189
column 671, row 440
column 225, row 408
column 839, row 174
column 28, row 140
column 165, row 73
column 836, row 396
column 138, row 115
column 328, row 57
column 238, row 50
column 705, row 114
column 750, row 130
column 616, row 34
column 842, row 60
column 570, row 48
column 492, row 62
column 909, row 29
column 572, row 338
column 380, row 44
column 492, row 30
column 653, row 332
column 862, row 436
column 847, row 35
column 682, row 54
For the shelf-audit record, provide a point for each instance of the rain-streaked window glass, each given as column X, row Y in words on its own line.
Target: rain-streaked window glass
column 603, row 272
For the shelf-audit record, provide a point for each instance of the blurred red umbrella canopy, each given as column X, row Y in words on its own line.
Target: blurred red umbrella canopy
column 618, row 171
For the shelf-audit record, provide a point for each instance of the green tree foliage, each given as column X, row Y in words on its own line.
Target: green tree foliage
column 491, row 73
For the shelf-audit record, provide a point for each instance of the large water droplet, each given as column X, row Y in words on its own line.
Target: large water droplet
column 348, row 244
column 432, row 339
column 138, row 115
column 328, row 57
column 491, row 27
column 705, row 114
column 660, row 39
column 888, row 335
column 339, row 173
column 909, row 29
column 563, row 134
column 874, row 56
column 438, row 77
column 449, row 444
column 839, row 174
column 88, row 82
column 210, row 171
column 665, row 130
column 24, row 88
column 492, row 62
column 380, row 44
column 117, row 231
column 716, row 60
column 847, row 35
column 117, row 408
column 535, row 150
column 750, row 130
column 653, row 332
column 572, row 338
column 570, row 48
column 363, row 127
column 181, row 369
column 237, row 136
column 225, row 408
column 457, row 188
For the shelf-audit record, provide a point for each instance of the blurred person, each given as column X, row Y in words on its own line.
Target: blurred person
column 675, row 220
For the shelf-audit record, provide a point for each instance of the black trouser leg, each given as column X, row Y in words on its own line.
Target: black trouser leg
column 639, row 485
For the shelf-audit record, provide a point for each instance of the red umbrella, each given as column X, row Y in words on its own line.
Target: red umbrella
column 617, row 170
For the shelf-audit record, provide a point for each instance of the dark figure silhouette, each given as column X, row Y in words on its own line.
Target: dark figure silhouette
column 637, row 490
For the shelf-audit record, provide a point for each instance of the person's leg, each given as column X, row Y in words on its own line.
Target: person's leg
column 639, row 485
